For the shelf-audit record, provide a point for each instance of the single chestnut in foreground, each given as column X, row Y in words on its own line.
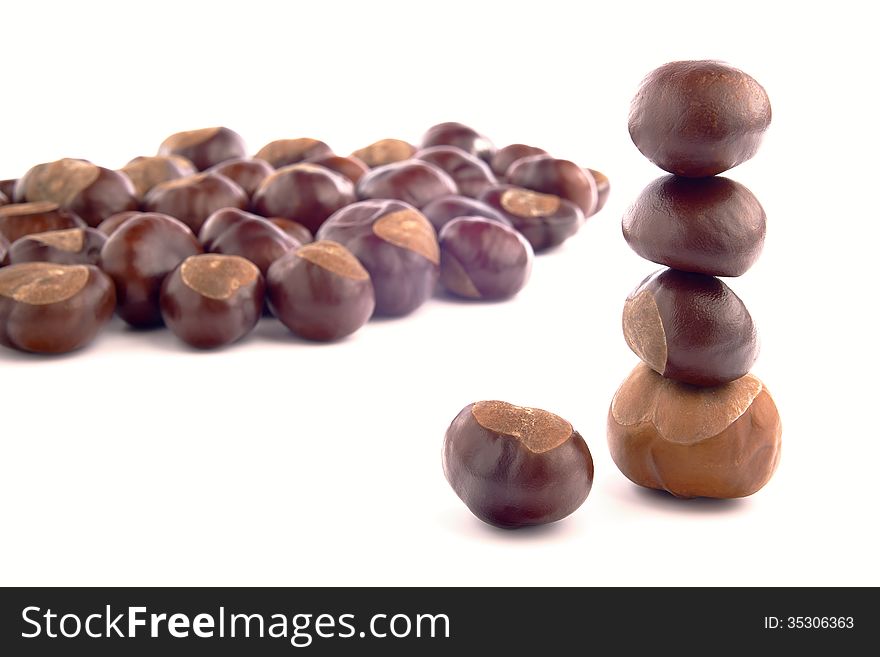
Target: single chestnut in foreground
column 52, row 309
column 138, row 256
column 464, row 137
column 709, row 226
column 412, row 181
column 505, row 157
column 483, row 259
column 320, row 291
column 205, row 147
column 193, row 199
column 385, row 151
column 563, row 178
column 442, row 210
column 720, row 442
column 244, row 172
column 146, row 172
column 284, row 152
column 212, row 300
column 545, row 220
column 20, row 219
column 72, row 246
column 472, row 176
column 698, row 118
column 91, row 192
column 515, row 466
column 305, row 192
column 235, row 232
column 395, row 244
column 690, row 327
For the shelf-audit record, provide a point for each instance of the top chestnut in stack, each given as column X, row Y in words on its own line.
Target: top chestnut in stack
column 691, row 419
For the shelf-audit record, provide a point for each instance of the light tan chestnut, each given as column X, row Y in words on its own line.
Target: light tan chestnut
column 720, row 442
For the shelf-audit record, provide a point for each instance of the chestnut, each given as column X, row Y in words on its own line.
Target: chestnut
column 690, row 327
column 49, row 308
column 212, row 300
column 395, row 244
column 385, row 151
column 4, row 200
column 4, row 249
column 145, row 172
column 320, row 291
column 505, row 157
column 71, row 246
column 698, row 118
column 720, row 442
column 563, row 178
column 603, row 188
column 350, row 167
column 483, row 259
column 710, row 226
column 472, row 176
column 7, row 188
column 515, row 466
column 442, row 210
column 412, row 181
column 113, row 222
column 462, row 136
column 545, row 220
column 304, row 192
column 293, row 228
column 246, row 173
column 91, row 192
column 138, row 256
column 20, row 219
column 283, row 152
column 193, row 199
column 205, row 147
column 246, row 235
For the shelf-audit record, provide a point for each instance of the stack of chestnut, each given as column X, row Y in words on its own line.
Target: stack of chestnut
column 205, row 240
column 690, row 419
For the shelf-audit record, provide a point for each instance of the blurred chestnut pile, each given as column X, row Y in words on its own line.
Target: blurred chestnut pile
column 206, row 240
column 690, row 419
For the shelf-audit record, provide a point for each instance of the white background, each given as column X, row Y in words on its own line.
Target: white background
column 138, row 461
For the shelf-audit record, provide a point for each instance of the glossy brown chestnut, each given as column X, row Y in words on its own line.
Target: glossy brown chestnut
column 472, row 176
column 52, row 309
column 246, row 173
column 505, row 157
column 320, row 291
column 350, row 167
column 113, row 222
column 146, row 172
column 563, row 178
column 603, row 188
column 7, row 188
column 304, row 192
column 293, row 228
column 283, row 152
column 248, row 236
column 515, row 466
column 690, row 327
column 205, row 147
column 193, row 199
column 462, row 136
column 395, row 244
column 698, row 118
column 385, row 151
column 20, row 219
column 412, row 181
column 720, row 442
column 545, row 220
column 710, row 226
column 71, row 246
column 212, row 300
column 483, row 259
column 138, row 256
column 442, row 210
column 91, row 192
